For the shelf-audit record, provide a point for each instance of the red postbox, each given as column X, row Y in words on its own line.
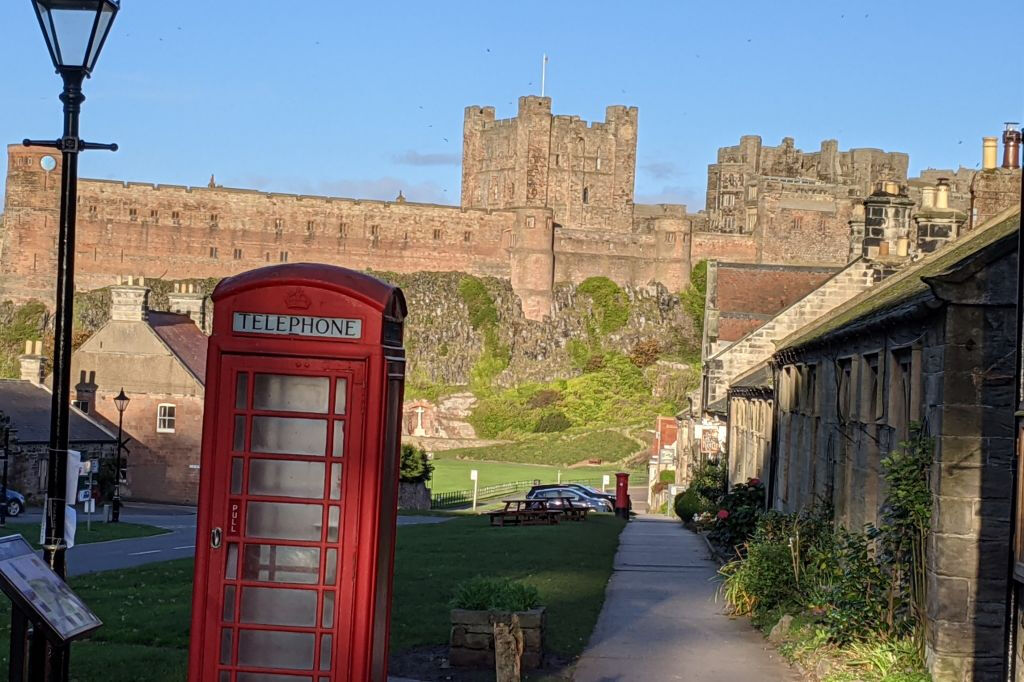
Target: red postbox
column 622, row 495
column 299, row 478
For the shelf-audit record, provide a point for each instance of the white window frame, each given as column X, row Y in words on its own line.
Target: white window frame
column 161, row 418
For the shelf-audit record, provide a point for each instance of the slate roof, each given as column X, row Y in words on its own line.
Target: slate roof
column 181, row 335
column 28, row 406
column 908, row 284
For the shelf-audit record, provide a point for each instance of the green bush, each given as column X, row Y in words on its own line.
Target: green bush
column 738, row 512
column 688, row 503
column 552, row 422
column 693, row 299
column 710, row 479
column 667, row 476
column 610, row 304
column 489, row 594
column 553, row 449
column 415, row 466
column 762, row 580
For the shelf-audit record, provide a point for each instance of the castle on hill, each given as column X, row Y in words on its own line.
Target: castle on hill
column 545, row 198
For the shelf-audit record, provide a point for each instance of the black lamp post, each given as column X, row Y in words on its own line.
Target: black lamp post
column 121, row 403
column 75, row 31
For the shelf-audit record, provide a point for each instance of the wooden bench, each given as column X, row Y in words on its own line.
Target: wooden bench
column 524, row 512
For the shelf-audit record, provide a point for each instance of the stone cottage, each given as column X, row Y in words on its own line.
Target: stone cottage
column 159, row 359
column 932, row 344
column 27, row 403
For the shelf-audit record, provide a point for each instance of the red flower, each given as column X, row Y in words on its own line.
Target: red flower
column 753, row 481
column 723, row 514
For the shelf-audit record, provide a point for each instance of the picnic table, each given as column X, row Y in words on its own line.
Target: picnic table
column 540, row 510
column 523, row 511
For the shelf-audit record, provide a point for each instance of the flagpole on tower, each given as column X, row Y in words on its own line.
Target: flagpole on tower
column 543, row 73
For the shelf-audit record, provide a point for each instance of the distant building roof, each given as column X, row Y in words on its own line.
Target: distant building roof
column 181, row 335
column 757, row 382
column 908, row 284
column 28, row 406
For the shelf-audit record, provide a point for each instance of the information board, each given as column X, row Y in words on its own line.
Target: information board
column 41, row 594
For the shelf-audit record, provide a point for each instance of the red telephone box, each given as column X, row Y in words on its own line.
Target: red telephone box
column 299, row 478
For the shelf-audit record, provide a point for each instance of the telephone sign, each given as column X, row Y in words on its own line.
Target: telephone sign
column 299, row 478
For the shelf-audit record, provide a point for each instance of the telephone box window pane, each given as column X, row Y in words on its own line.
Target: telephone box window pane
column 236, row 475
column 283, row 393
column 338, row 449
column 289, row 435
column 332, row 567
column 269, row 677
column 332, row 524
column 269, row 649
column 229, row 603
column 336, row 481
column 241, row 390
column 286, row 479
column 284, row 521
column 281, row 564
column 224, row 676
column 325, row 652
column 231, row 565
column 340, row 394
column 238, row 441
column 328, row 618
column 225, row 646
column 278, row 606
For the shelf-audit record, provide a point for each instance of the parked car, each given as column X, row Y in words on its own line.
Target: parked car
column 580, row 488
column 578, row 497
column 15, row 502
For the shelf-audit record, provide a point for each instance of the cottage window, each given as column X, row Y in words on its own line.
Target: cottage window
column 902, row 394
column 81, row 405
column 810, row 389
column 165, row 418
column 871, row 402
column 844, row 376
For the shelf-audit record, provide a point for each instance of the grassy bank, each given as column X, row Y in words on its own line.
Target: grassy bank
column 146, row 610
column 553, row 449
column 451, row 474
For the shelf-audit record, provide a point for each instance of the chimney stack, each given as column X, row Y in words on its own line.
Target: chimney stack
column 1011, row 145
column 185, row 300
column 942, row 193
column 130, row 299
column 989, row 153
column 33, row 363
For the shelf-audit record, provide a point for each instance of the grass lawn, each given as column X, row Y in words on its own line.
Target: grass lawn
column 553, row 449
column 101, row 531
column 145, row 610
column 453, row 474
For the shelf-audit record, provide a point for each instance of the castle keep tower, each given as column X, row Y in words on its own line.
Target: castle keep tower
column 584, row 172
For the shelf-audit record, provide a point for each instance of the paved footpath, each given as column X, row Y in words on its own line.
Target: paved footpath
column 661, row 622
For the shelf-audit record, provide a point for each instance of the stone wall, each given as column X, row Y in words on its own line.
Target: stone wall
column 27, row 469
column 472, row 637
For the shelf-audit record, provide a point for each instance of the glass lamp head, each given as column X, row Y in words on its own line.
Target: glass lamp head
column 75, row 31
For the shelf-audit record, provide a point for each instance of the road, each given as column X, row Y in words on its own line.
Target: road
column 177, row 543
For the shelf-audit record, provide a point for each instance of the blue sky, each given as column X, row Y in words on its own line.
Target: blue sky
column 361, row 99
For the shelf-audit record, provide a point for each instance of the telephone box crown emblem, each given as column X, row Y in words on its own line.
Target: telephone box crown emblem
column 296, row 299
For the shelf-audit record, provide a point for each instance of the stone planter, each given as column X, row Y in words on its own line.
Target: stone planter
column 413, row 496
column 472, row 637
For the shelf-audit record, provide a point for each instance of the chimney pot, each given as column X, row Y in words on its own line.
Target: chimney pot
column 927, row 197
column 1011, row 145
column 942, row 193
column 989, row 152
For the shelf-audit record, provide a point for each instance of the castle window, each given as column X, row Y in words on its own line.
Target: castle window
column 92, row 211
column 798, row 222
column 176, row 217
column 586, row 195
column 599, row 163
column 213, row 219
column 268, row 256
column 530, row 221
column 165, row 418
column 343, row 230
column 310, row 225
column 374, row 231
column 133, row 214
column 437, row 234
column 283, row 256
column 213, row 252
column 279, row 224
column 670, row 237
column 558, row 160
column 467, row 236
column 730, row 222
column 728, row 200
column 512, row 239
column 238, row 254
column 752, row 192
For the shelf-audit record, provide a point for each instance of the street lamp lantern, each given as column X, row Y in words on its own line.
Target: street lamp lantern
column 75, row 31
column 121, row 401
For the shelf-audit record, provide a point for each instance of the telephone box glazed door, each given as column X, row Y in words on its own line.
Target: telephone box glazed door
column 281, row 554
